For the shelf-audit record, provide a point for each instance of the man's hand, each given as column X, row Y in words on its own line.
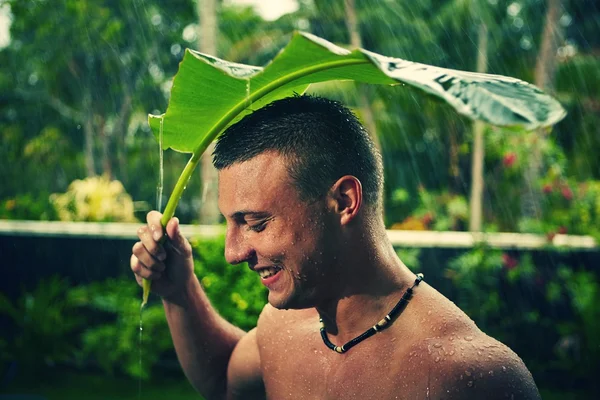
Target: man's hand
column 169, row 265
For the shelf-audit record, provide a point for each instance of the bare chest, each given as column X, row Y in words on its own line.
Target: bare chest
column 296, row 364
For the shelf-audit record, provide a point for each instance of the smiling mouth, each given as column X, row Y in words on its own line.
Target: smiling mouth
column 268, row 272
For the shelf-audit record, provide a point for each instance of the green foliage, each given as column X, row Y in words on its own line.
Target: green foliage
column 410, row 258
column 28, row 206
column 513, row 299
column 43, row 326
column 113, row 338
column 235, row 291
column 578, row 349
column 435, row 211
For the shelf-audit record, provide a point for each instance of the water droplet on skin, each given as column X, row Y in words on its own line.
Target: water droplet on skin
column 491, row 373
column 468, row 373
column 437, row 359
column 451, row 352
column 470, row 384
column 429, row 312
column 437, row 345
column 468, row 338
column 503, row 368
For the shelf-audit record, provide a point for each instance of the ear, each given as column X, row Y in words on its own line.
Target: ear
column 346, row 198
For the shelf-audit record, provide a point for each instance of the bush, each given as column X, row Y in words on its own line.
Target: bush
column 28, row 207
column 112, row 338
column 43, row 326
column 94, row 199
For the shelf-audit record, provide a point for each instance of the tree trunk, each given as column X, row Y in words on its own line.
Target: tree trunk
column 105, row 137
column 88, row 131
column 545, row 69
column 478, row 154
column 207, row 43
column 120, row 133
column 454, row 169
column 363, row 99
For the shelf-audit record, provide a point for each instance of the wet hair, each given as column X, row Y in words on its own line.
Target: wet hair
column 321, row 139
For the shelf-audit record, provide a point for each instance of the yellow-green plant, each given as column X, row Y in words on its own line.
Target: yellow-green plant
column 94, row 199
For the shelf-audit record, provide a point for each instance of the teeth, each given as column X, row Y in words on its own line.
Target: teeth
column 267, row 272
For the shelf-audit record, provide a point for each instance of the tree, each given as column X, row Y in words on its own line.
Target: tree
column 207, row 43
column 545, row 69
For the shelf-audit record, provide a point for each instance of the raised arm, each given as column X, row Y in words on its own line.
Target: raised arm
column 203, row 340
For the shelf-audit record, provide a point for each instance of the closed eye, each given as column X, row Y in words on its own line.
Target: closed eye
column 259, row 226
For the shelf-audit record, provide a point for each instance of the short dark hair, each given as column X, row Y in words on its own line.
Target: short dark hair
column 322, row 139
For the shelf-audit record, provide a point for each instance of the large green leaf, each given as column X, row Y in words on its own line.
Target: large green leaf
column 209, row 94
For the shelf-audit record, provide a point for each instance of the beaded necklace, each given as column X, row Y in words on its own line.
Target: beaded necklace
column 378, row 327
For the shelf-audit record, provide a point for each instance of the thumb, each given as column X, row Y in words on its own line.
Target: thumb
column 179, row 243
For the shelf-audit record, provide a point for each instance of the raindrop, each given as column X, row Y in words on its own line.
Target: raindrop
column 566, row 20
column 518, row 23
column 467, row 372
column 470, row 384
column 189, row 33
column 503, row 368
column 156, row 19
column 156, row 72
column 78, row 127
column 491, row 373
column 176, row 49
column 514, row 9
column 33, row 79
column 525, row 43
column 303, row 24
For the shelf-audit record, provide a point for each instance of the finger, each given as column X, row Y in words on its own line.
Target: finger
column 177, row 241
column 146, row 258
column 152, row 246
column 153, row 219
column 141, row 271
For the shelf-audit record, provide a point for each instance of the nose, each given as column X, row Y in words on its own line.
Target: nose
column 237, row 248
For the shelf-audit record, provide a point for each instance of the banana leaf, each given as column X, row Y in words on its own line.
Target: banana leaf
column 209, row 94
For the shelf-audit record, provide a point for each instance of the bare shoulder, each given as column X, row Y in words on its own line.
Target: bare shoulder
column 244, row 376
column 473, row 366
column 459, row 360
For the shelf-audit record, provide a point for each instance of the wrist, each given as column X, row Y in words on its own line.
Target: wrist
column 184, row 296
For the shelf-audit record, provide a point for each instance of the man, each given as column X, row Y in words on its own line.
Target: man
column 300, row 186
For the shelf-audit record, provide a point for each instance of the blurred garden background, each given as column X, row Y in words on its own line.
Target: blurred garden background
column 79, row 77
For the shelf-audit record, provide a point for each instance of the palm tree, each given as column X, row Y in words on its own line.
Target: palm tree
column 207, row 43
column 545, row 69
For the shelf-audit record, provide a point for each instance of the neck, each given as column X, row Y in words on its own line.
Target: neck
column 370, row 287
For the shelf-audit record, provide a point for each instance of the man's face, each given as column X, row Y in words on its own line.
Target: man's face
column 280, row 236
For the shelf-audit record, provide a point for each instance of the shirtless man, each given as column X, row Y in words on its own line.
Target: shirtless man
column 300, row 186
